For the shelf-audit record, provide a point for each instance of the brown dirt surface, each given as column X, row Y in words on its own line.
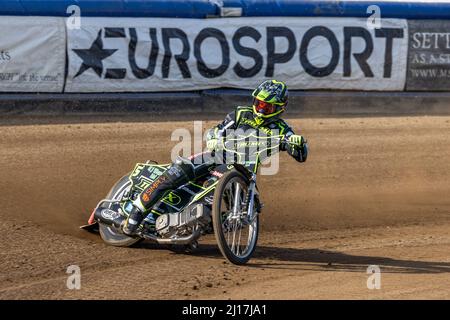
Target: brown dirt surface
column 374, row 191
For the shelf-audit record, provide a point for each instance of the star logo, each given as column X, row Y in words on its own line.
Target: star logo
column 92, row 57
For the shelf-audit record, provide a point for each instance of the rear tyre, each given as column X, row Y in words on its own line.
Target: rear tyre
column 110, row 234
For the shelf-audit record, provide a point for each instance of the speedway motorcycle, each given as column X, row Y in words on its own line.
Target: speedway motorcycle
column 224, row 202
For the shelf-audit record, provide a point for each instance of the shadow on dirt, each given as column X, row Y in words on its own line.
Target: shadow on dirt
column 309, row 259
column 317, row 259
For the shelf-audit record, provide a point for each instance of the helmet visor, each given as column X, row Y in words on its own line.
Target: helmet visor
column 263, row 107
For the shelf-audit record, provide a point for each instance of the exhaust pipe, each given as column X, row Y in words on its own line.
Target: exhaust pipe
column 108, row 217
column 183, row 240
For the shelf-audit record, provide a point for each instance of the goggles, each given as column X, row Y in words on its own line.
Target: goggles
column 263, row 107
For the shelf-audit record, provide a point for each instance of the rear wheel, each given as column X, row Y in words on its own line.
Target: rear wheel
column 235, row 235
column 110, row 234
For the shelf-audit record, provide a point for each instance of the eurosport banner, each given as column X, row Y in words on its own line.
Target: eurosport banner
column 157, row 54
column 32, row 54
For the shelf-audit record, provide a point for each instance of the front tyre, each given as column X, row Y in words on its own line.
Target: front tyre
column 235, row 235
column 110, row 234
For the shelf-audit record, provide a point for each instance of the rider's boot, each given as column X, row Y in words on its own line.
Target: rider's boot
column 135, row 217
column 179, row 173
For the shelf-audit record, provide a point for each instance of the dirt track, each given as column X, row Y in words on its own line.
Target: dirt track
column 374, row 191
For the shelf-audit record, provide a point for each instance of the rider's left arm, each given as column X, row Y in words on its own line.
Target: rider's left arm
column 296, row 146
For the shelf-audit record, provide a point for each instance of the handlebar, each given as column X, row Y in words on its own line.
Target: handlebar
column 221, row 140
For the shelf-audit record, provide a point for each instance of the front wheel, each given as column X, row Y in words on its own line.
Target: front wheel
column 235, row 235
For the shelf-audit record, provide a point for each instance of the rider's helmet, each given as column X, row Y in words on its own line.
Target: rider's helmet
column 270, row 99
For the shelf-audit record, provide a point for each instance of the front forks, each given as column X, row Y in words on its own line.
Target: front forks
column 251, row 214
column 246, row 214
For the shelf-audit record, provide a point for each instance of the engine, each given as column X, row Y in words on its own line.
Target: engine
column 184, row 222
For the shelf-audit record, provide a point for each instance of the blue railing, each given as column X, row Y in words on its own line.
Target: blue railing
column 210, row 8
column 112, row 8
column 315, row 8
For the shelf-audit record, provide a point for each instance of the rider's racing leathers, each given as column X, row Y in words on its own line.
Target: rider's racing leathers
column 184, row 170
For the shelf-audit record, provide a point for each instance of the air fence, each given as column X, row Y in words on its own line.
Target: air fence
column 164, row 46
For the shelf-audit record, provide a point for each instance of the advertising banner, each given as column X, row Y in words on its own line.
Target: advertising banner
column 429, row 55
column 32, row 54
column 158, row 54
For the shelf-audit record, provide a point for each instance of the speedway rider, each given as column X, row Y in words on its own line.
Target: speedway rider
column 270, row 99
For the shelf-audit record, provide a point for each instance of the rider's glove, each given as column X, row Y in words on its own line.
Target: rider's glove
column 211, row 144
column 296, row 139
column 298, row 147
